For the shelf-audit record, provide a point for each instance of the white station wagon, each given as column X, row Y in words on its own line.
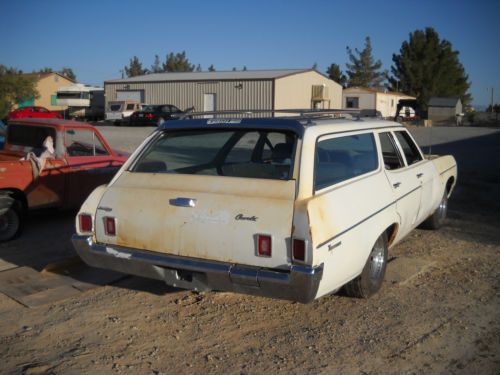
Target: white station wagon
column 277, row 207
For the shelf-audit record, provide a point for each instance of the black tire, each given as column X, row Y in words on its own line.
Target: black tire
column 11, row 223
column 370, row 280
column 438, row 217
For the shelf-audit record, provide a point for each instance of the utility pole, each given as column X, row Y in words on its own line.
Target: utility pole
column 491, row 101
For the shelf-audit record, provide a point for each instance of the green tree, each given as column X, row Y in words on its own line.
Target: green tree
column 198, row 68
column 156, row 67
column 211, row 68
column 363, row 70
column 68, row 72
column 314, row 66
column 177, row 63
column 244, row 68
column 44, row 70
column 427, row 66
column 15, row 88
column 135, row 68
column 335, row 73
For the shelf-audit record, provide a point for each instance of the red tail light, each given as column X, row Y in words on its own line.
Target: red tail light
column 149, row 115
column 85, row 221
column 299, row 250
column 264, row 245
column 109, row 226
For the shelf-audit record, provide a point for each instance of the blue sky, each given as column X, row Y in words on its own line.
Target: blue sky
column 97, row 38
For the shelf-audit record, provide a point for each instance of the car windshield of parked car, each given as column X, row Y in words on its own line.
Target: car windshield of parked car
column 237, row 153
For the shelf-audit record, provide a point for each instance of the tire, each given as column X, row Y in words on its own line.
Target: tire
column 11, row 223
column 370, row 280
column 438, row 217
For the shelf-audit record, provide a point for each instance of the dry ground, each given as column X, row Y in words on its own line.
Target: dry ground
column 444, row 320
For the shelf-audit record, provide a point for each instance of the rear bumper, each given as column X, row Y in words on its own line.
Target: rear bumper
column 296, row 283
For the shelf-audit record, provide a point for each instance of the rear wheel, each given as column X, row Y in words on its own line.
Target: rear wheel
column 370, row 280
column 11, row 223
column 436, row 220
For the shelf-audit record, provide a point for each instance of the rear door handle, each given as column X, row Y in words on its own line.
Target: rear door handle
column 396, row 184
column 183, row 202
column 419, row 175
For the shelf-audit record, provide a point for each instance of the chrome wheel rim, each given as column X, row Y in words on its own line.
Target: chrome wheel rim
column 377, row 261
column 442, row 208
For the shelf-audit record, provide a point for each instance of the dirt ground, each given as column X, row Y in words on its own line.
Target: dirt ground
column 445, row 319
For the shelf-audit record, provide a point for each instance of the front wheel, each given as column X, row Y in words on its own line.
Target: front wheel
column 370, row 280
column 436, row 220
column 11, row 223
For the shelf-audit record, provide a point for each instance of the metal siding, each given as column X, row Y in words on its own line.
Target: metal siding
column 252, row 95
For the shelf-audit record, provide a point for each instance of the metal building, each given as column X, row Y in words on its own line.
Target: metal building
column 445, row 110
column 234, row 90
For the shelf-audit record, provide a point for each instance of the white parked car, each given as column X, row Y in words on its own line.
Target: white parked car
column 119, row 111
column 283, row 208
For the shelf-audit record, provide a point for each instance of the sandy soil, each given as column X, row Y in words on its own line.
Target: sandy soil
column 445, row 320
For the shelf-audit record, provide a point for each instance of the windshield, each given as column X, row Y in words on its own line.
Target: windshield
column 236, row 153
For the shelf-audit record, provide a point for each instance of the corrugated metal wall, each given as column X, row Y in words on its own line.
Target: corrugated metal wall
column 230, row 95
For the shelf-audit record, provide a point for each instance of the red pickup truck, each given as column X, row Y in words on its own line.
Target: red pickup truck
column 50, row 163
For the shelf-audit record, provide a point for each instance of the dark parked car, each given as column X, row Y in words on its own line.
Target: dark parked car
column 155, row 114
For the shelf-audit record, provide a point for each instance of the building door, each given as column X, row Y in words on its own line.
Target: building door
column 209, row 104
column 137, row 96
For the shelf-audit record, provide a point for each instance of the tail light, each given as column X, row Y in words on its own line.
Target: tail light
column 299, row 250
column 264, row 245
column 149, row 115
column 85, row 222
column 109, row 226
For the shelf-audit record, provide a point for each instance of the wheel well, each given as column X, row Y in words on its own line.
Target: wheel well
column 449, row 184
column 391, row 233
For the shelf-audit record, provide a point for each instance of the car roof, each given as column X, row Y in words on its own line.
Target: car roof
column 297, row 125
column 59, row 123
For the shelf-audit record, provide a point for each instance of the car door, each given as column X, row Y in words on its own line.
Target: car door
column 404, row 183
column 90, row 164
column 424, row 170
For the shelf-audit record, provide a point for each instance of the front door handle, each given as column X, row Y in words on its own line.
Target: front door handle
column 419, row 175
column 396, row 184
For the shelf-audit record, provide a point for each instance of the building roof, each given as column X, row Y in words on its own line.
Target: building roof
column 443, row 101
column 212, row 76
column 39, row 76
column 378, row 90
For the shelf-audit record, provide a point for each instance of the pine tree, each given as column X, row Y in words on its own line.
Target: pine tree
column 244, row 68
column 177, row 63
column 156, row 67
column 68, row 72
column 135, row 68
column 363, row 70
column 427, row 66
column 335, row 73
column 211, row 68
column 198, row 68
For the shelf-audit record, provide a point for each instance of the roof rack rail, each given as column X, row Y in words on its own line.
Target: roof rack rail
column 296, row 113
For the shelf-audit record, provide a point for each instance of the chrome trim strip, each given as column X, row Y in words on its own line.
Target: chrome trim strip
column 443, row 172
column 367, row 218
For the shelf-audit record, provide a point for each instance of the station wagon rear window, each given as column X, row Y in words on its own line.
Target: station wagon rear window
column 115, row 107
column 340, row 159
column 247, row 153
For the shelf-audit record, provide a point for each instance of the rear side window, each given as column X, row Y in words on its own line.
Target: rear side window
column 410, row 149
column 29, row 136
column 390, row 153
column 340, row 159
column 130, row 107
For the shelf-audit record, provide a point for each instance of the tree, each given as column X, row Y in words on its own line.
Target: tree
column 244, row 68
column 315, row 66
column 198, row 68
column 135, row 68
column 211, row 68
column 427, row 66
column 177, row 63
column 44, row 70
column 335, row 73
column 156, row 67
column 15, row 88
column 68, row 72
column 363, row 70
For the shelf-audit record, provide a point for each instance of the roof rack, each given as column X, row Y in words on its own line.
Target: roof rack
column 295, row 113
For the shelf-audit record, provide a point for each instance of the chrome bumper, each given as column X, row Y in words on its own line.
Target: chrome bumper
column 296, row 283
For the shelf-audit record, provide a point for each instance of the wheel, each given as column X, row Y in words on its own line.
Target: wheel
column 436, row 220
column 11, row 223
column 370, row 280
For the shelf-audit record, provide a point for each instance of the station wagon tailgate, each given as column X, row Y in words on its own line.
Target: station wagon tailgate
column 199, row 216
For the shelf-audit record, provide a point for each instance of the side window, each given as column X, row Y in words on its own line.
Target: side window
column 272, row 145
column 243, row 149
column 390, row 153
column 81, row 142
column 352, row 102
column 340, row 159
column 130, row 107
column 409, row 147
